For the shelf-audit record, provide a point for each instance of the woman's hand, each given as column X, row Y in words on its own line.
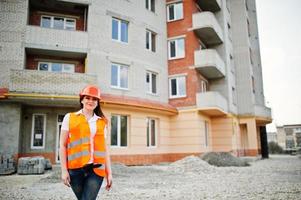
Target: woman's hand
column 66, row 178
column 109, row 181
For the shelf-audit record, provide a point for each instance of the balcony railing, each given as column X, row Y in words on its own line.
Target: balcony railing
column 263, row 111
column 54, row 39
column 209, row 5
column 43, row 82
column 212, row 103
column 207, row 28
column 209, row 63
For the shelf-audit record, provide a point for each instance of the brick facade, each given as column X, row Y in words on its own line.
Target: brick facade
column 185, row 65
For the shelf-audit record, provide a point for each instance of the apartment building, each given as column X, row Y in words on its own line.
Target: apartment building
column 177, row 77
column 289, row 136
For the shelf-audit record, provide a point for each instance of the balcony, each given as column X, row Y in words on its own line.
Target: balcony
column 209, row 5
column 263, row 112
column 54, row 39
column 212, row 103
column 207, row 28
column 209, row 63
column 52, row 83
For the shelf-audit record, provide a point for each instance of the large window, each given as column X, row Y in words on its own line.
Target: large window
column 176, row 48
column 150, row 41
column 119, row 130
column 58, row 22
column 119, row 30
column 177, row 87
column 151, row 82
column 119, row 76
column 56, row 67
column 38, row 131
column 174, row 11
column 151, row 132
column 150, row 5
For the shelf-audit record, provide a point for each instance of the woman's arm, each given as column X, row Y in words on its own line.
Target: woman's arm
column 63, row 157
column 108, row 169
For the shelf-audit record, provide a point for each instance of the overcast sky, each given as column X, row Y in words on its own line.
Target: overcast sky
column 279, row 23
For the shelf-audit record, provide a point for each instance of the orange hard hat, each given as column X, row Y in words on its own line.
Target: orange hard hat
column 91, row 90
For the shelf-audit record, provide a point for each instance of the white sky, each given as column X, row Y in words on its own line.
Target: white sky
column 279, row 23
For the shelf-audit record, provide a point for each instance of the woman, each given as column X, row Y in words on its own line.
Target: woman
column 84, row 155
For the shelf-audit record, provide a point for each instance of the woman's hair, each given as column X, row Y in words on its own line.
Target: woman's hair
column 97, row 110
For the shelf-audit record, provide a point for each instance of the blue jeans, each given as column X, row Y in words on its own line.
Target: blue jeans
column 85, row 183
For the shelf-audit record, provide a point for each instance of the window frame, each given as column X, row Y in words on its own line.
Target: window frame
column 52, row 22
column 204, row 86
column 152, row 40
column 177, row 55
column 119, row 131
column 177, row 78
column 176, row 17
column 149, row 5
column 119, row 33
column 50, row 66
column 118, row 76
column 149, row 86
column 32, row 131
column 149, row 131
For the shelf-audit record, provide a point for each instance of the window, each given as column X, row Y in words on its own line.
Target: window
column 234, row 95
column 174, row 11
column 150, row 41
column 119, row 130
column 151, row 82
column 250, row 54
column 119, row 76
column 248, row 26
column 206, row 131
column 38, row 131
column 119, row 30
column 253, row 84
column 151, row 132
column 176, row 48
column 56, row 67
column 177, row 87
column 150, row 5
column 204, row 86
column 58, row 22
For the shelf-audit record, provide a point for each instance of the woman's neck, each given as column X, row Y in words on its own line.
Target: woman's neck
column 88, row 113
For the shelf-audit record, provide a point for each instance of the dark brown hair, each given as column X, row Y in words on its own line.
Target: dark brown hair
column 97, row 110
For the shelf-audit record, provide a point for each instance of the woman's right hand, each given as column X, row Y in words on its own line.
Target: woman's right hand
column 66, row 178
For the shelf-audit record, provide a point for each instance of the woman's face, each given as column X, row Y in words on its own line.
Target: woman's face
column 89, row 103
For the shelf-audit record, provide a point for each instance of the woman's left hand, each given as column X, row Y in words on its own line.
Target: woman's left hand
column 109, row 181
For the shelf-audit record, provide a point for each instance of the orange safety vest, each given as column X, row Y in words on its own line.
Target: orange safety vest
column 78, row 144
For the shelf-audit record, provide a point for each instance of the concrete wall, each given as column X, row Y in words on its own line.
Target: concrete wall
column 243, row 67
column 50, row 132
column 255, row 54
column 104, row 50
column 10, row 114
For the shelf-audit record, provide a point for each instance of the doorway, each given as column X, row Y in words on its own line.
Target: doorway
column 58, row 133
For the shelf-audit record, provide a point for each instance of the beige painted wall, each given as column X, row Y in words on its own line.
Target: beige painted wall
column 187, row 132
column 252, row 132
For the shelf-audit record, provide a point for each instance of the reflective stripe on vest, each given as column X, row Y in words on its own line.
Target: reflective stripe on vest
column 99, row 154
column 79, row 142
column 78, row 155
